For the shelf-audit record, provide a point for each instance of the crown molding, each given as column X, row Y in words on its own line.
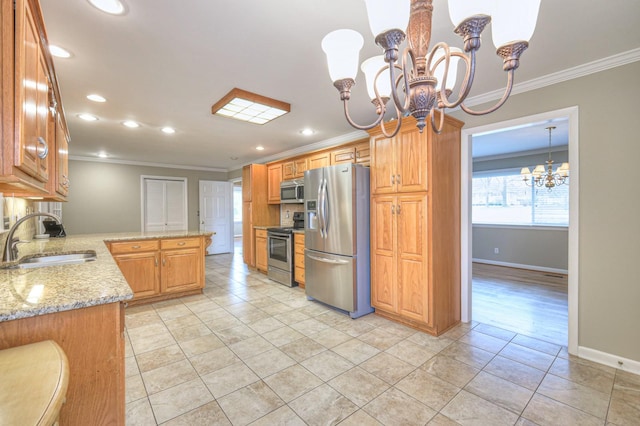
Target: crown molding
column 561, row 148
column 603, row 64
column 145, row 164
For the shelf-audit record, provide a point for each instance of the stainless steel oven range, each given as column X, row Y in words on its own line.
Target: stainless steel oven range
column 280, row 255
column 280, row 251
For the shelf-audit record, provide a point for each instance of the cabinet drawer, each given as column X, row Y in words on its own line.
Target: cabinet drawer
column 261, row 233
column 178, row 243
column 133, row 246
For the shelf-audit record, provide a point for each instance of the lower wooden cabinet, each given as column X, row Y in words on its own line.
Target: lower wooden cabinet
column 93, row 340
column 161, row 268
column 298, row 258
column 261, row 250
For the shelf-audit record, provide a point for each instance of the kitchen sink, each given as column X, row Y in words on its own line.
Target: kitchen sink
column 39, row 261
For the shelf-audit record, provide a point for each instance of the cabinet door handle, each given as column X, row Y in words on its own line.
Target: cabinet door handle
column 156, row 261
column 135, row 247
column 398, row 209
column 181, row 243
column 164, row 261
column 393, row 179
column 398, row 179
column 45, row 151
column 393, row 209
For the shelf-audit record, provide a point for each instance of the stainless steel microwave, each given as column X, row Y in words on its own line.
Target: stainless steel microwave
column 292, row 191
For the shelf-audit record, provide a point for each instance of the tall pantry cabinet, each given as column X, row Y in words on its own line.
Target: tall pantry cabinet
column 415, row 226
column 256, row 211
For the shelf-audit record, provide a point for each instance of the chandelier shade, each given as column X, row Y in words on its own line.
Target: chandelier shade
column 370, row 68
column 459, row 10
column 513, row 20
column 422, row 78
column 385, row 15
column 342, row 48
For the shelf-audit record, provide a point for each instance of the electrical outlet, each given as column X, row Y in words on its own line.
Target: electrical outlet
column 496, row 250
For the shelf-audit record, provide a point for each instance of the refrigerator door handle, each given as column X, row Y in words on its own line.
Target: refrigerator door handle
column 325, row 210
column 332, row 261
column 320, row 218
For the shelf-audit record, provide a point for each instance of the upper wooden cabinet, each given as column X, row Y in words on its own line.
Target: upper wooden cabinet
column 321, row 159
column 363, row 153
column 400, row 162
column 294, row 169
column 274, row 177
column 343, row 155
column 30, row 104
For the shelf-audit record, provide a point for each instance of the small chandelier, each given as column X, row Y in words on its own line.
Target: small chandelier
column 426, row 78
column 544, row 176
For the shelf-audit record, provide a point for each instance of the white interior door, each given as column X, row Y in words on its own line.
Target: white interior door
column 164, row 206
column 216, row 214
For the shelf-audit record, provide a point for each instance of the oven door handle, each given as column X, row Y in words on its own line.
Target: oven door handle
column 278, row 236
column 325, row 260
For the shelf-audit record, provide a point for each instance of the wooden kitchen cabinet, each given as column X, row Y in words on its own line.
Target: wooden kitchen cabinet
column 30, row 98
column 344, row 155
column 294, row 169
column 298, row 258
column 415, row 235
column 318, row 160
column 274, row 178
column 400, row 162
column 363, row 153
column 157, row 269
column 261, row 250
column 93, row 341
column 257, row 212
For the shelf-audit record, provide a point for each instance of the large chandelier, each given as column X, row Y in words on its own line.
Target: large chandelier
column 422, row 80
column 544, row 176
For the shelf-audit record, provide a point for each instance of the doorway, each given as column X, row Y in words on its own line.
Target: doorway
column 215, row 201
column 466, row 227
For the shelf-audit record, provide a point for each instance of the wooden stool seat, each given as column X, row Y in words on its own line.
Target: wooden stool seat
column 33, row 383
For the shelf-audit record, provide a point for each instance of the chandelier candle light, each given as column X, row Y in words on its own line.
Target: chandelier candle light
column 545, row 176
column 426, row 78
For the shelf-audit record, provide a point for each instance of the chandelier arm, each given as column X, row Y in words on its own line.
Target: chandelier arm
column 402, row 107
column 397, row 128
column 357, row 126
column 504, row 98
column 440, row 126
column 465, row 87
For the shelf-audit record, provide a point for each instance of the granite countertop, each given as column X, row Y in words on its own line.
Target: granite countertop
column 37, row 291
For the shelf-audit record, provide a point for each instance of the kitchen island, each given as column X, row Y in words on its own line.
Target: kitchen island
column 81, row 307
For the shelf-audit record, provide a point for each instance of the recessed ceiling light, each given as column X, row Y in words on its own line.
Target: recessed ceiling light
column 96, row 98
column 114, row 7
column 251, row 107
column 131, row 124
column 88, row 117
column 233, row 158
column 102, row 154
column 260, row 148
column 307, row 132
column 59, row 52
column 168, row 130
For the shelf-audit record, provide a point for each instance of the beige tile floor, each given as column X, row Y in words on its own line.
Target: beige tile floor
column 251, row 351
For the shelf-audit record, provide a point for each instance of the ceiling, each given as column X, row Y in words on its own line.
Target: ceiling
column 165, row 62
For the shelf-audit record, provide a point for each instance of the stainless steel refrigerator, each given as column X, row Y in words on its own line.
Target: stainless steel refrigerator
column 336, row 255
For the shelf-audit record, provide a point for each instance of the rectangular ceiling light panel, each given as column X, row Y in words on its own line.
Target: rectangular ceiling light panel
column 251, row 107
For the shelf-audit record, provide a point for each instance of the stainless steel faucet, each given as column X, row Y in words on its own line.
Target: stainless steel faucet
column 11, row 246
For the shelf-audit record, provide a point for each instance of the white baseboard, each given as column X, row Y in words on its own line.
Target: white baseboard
column 521, row 266
column 611, row 360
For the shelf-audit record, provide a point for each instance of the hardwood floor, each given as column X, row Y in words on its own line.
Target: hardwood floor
column 528, row 302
